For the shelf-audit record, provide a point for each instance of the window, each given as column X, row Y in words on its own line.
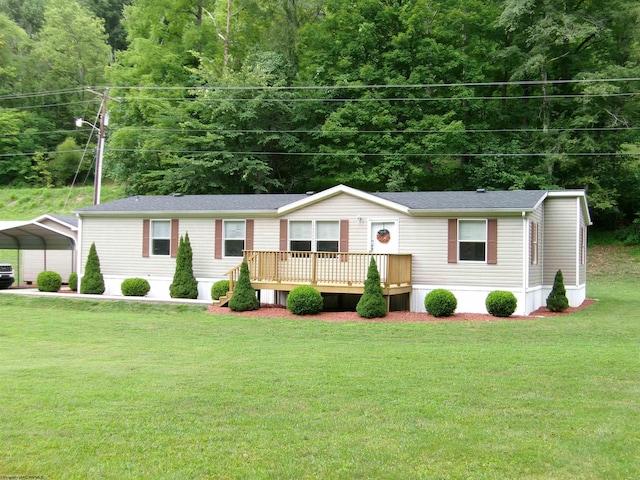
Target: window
column 327, row 236
column 472, row 240
column 583, row 245
column 161, row 237
column 234, row 235
column 535, row 236
column 300, row 236
column 320, row 236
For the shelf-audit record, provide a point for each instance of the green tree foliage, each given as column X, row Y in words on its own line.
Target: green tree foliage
column 557, row 300
column 372, row 303
column 244, row 295
column 184, row 283
column 64, row 165
column 72, row 47
column 92, row 283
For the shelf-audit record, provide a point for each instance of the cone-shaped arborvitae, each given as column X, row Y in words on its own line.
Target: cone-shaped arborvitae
column 184, row 283
column 372, row 304
column 244, row 295
column 557, row 300
column 92, row 282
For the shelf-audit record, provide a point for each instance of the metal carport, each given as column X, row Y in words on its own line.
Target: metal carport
column 32, row 235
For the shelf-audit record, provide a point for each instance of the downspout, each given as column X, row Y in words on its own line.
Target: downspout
column 79, row 252
column 525, row 260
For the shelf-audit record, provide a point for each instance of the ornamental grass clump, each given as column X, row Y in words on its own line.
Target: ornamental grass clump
column 501, row 303
column 244, row 295
column 440, row 303
column 184, row 283
column 304, row 300
column 372, row 304
column 219, row 289
column 557, row 300
column 135, row 287
column 92, row 282
column 49, row 281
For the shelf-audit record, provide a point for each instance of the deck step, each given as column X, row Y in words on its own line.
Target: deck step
column 222, row 301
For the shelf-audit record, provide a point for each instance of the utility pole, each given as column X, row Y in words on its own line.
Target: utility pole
column 100, row 128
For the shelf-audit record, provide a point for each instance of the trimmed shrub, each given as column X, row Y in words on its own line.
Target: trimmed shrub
column 92, row 281
column 372, row 304
column 184, row 283
column 219, row 289
column 49, row 281
column 304, row 300
column 73, row 281
column 440, row 303
column 501, row 303
column 135, row 287
column 244, row 295
column 557, row 300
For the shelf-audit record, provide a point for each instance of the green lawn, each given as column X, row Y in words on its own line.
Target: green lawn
column 93, row 390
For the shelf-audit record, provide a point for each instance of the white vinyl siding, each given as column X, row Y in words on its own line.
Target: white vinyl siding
column 560, row 239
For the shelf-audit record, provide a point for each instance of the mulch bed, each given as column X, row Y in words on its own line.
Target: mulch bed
column 278, row 311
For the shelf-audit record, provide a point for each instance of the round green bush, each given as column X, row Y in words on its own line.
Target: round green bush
column 440, row 302
column 219, row 289
column 135, row 287
column 73, row 281
column 501, row 303
column 49, row 281
column 304, row 300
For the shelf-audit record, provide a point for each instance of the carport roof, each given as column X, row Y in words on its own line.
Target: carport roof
column 31, row 235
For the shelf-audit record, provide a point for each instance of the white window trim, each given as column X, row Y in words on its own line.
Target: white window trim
column 224, row 237
column 152, row 237
column 486, row 239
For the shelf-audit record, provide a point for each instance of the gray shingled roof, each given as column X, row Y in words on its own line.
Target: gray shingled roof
column 197, row 203
column 66, row 219
column 421, row 201
column 489, row 200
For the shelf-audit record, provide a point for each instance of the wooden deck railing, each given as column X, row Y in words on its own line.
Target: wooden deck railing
column 322, row 268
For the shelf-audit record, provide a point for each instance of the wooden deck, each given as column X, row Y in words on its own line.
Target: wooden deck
column 343, row 272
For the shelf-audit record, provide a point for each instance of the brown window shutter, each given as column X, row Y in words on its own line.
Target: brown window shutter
column 175, row 230
column 344, row 239
column 492, row 241
column 284, row 226
column 248, row 233
column 452, row 253
column 217, row 244
column 146, row 227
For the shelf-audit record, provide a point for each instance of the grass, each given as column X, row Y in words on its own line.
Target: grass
column 29, row 203
column 119, row 390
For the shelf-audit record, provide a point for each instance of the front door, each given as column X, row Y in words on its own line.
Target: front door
column 383, row 236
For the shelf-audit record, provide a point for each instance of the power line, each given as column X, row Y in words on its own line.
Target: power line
column 338, row 154
column 199, row 88
column 383, row 86
column 338, row 131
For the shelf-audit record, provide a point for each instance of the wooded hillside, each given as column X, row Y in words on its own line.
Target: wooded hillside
column 296, row 95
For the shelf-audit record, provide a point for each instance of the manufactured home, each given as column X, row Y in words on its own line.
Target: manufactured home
column 470, row 243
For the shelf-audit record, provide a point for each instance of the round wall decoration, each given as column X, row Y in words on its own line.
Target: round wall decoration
column 383, row 235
